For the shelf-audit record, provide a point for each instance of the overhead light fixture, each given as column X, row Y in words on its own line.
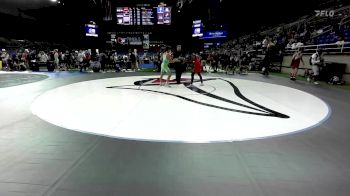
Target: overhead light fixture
column 53, row 0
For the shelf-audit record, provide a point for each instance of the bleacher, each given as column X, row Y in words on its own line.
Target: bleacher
column 331, row 37
column 322, row 30
column 327, row 38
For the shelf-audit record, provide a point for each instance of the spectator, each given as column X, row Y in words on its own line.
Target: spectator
column 265, row 42
column 137, row 59
column 69, row 59
column 25, row 58
column 133, row 60
column 103, row 60
column 267, row 59
column 340, row 41
column 56, row 60
column 15, row 61
column 43, row 57
column 5, row 59
column 80, row 58
column 297, row 45
column 95, row 64
column 62, row 60
column 215, row 62
column 290, row 44
column 88, row 57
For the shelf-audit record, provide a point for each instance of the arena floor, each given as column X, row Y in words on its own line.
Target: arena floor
column 72, row 134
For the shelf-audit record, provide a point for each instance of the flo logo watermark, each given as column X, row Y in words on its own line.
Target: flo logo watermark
column 324, row 13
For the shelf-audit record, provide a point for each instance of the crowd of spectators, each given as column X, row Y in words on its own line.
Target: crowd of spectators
column 260, row 50
column 248, row 52
column 83, row 60
column 303, row 32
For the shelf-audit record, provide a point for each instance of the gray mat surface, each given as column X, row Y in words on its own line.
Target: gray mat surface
column 38, row 158
column 8, row 80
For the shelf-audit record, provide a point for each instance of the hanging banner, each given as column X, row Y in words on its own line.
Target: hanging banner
column 146, row 42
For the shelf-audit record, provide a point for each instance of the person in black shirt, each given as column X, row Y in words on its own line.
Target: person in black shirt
column 103, row 60
column 267, row 59
column 133, row 60
column 215, row 62
column 157, row 61
column 179, row 65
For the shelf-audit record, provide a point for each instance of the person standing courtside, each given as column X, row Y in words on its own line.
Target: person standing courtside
column 5, row 59
column 267, row 59
column 80, row 58
column 133, row 60
column 317, row 61
column 56, row 60
column 137, row 60
column 103, row 60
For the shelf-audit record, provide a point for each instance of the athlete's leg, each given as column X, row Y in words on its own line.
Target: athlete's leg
column 161, row 78
column 200, row 77
column 192, row 77
column 169, row 76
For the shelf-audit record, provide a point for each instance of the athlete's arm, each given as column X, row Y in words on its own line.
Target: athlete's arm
column 301, row 59
column 170, row 58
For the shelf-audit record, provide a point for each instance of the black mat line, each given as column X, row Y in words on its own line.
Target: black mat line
column 203, row 92
column 240, row 95
column 266, row 112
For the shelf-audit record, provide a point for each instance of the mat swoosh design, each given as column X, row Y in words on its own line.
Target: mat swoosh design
column 260, row 110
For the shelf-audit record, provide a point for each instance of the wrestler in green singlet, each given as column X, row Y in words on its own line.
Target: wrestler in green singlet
column 165, row 64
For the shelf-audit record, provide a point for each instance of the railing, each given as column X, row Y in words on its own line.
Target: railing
column 329, row 48
column 266, row 32
column 296, row 23
column 285, row 26
column 345, row 21
column 342, row 9
column 325, row 30
column 306, row 20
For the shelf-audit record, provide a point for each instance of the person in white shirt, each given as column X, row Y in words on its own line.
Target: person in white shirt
column 43, row 57
column 340, row 41
column 81, row 57
column 265, row 42
column 137, row 60
column 5, row 57
column 317, row 61
column 56, row 61
column 300, row 45
column 115, row 57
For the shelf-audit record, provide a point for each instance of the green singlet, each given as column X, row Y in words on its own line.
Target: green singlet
column 165, row 64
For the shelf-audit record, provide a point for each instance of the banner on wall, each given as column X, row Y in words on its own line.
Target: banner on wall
column 146, row 41
column 214, row 34
column 135, row 41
